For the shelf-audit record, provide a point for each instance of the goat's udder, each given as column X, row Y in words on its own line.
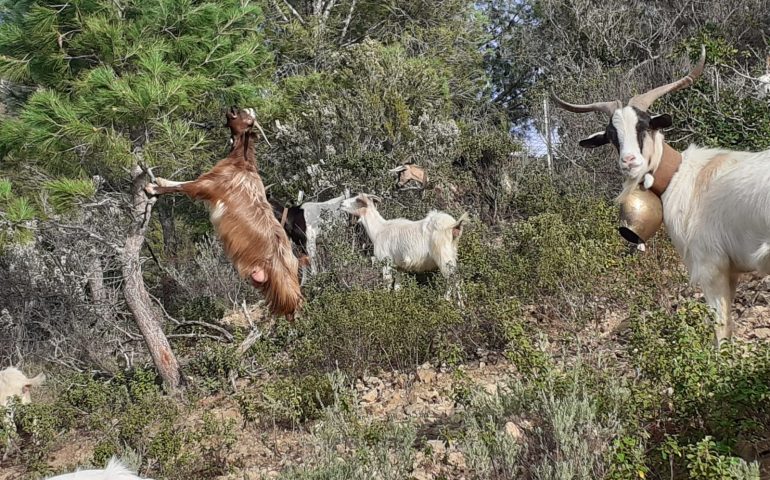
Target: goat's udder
column 258, row 276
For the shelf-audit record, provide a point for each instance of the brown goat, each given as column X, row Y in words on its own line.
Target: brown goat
column 253, row 239
column 409, row 172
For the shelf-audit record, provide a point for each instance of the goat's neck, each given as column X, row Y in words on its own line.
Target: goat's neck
column 373, row 222
column 243, row 149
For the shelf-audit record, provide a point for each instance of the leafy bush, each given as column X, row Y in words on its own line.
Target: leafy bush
column 706, row 460
column 359, row 329
column 212, row 365
column 564, row 429
column 693, row 388
column 287, row 401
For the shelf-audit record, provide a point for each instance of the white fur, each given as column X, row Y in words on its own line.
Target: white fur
column 414, row 246
column 720, row 225
column 624, row 120
column 764, row 85
column 115, row 470
column 13, row 383
column 315, row 222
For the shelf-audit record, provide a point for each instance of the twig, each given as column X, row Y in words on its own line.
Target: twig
column 165, row 313
column 294, row 12
column 197, row 335
column 347, row 21
column 219, row 329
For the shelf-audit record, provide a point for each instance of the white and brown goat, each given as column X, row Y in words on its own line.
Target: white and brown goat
column 251, row 236
column 716, row 202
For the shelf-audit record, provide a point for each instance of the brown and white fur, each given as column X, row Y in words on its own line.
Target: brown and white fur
column 716, row 205
column 253, row 239
column 408, row 173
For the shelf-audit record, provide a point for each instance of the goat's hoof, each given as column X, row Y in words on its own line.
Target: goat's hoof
column 151, row 189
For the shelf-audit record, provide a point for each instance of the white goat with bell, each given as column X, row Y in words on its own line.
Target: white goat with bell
column 716, row 202
column 413, row 246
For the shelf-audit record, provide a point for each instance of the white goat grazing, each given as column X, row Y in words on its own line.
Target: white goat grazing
column 414, row 246
column 315, row 223
column 716, row 203
column 13, row 383
column 115, row 470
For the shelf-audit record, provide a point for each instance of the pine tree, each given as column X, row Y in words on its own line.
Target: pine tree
column 120, row 83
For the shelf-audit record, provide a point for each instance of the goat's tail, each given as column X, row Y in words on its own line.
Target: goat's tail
column 117, row 470
column 457, row 228
column 282, row 290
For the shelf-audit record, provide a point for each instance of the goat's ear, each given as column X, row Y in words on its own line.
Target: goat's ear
column 595, row 140
column 658, row 122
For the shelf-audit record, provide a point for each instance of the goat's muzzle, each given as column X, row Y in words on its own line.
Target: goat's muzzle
column 641, row 214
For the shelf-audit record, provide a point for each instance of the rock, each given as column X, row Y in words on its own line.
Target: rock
column 370, row 396
column 514, row 431
column 429, row 395
column 396, row 399
column 437, row 447
column 374, row 382
column 457, row 460
column 426, row 374
column 491, row 388
column 416, row 408
column 420, row 474
column 761, row 333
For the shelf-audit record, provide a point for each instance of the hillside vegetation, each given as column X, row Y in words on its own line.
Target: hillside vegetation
column 572, row 356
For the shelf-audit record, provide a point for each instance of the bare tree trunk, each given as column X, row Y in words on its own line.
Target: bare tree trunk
column 95, row 275
column 137, row 297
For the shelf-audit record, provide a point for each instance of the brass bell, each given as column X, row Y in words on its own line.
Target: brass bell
column 641, row 214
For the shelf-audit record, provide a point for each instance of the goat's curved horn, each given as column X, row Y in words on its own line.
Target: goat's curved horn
column 263, row 133
column 606, row 107
column 376, row 198
column 398, row 169
column 644, row 100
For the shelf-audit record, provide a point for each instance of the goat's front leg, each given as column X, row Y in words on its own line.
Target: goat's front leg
column 387, row 273
column 719, row 292
column 454, row 285
column 163, row 186
column 310, row 236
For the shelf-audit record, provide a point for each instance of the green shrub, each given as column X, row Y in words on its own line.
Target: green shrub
column 359, row 329
column 692, row 387
column 287, row 401
column 707, row 460
column 212, row 365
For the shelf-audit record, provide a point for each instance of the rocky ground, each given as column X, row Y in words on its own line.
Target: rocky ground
column 426, row 398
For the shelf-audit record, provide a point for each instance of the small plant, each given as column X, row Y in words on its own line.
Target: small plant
column 213, row 365
column 708, row 460
column 288, row 401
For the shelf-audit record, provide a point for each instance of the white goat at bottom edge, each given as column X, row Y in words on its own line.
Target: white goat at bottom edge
column 413, row 246
column 115, row 470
